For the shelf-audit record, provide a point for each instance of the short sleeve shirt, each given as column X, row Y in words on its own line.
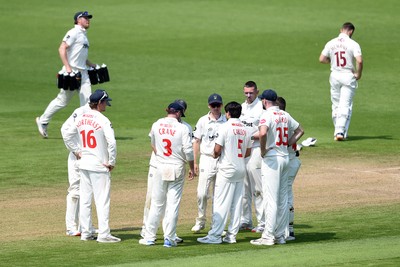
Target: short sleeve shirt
column 207, row 130
column 342, row 51
column 78, row 47
column 279, row 124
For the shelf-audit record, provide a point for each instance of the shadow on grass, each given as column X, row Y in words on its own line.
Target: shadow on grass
column 359, row 138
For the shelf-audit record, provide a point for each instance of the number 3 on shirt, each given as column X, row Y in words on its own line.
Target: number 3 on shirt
column 167, row 147
column 88, row 140
column 283, row 136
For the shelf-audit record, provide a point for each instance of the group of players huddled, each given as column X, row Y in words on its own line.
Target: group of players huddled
column 242, row 158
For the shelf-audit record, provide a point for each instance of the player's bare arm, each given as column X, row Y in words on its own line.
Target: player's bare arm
column 263, row 139
column 217, row 151
column 109, row 167
column 298, row 133
column 90, row 64
column 196, row 152
column 248, row 152
column 325, row 60
column 359, row 66
column 62, row 51
column 192, row 173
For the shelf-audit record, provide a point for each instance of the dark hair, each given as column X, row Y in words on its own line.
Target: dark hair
column 234, row 109
column 251, row 84
column 281, row 103
column 348, row 26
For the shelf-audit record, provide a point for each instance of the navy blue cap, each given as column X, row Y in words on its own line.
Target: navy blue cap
column 215, row 98
column 269, row 95
column 82, row 14
column 176, row 107
column 98, row 96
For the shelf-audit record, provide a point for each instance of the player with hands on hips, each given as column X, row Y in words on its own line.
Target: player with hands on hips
column 73, row 52
column 232, row 146
column 251, row 111
column 344, row 56
column 171, row 143
column 97, row 151
column 275, row 125
column 205, row 133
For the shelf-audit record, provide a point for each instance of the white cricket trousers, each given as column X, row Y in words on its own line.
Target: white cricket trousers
column 65, row 96
column 72, row 211
column 207, row 174
column 343, row 89
column 97, row 185
column 253, row 190
column 227, row 201
column 150, row 180
column 294, row 166
column 166, row 196
column 274, row 172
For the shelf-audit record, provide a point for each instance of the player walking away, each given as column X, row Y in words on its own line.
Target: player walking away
column 171, row 144
column 341, row 52
column 251, row 111
column 96, row 151
column 294, row 166
column 152, row 170
column 205, row 133
column 232, row 146
column 73, row 52
column 275, row 124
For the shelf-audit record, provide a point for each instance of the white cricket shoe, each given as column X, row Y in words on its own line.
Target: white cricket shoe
column 146, row 242
column 109, row 239
column 73, row 233
column 169, row 243
column 209, row 240
column 197, row 228
column 229, row 239
column 262, row 242
column 42, row 128
column 280, row 240
column 178, row 239
column 339, row 137
column 257, row 229
column 88, row 238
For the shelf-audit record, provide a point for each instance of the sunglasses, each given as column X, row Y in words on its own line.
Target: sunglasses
column 215, row 105
column 104, row 96
column 84, row 14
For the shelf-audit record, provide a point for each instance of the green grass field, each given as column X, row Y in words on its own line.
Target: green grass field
column 158, row 51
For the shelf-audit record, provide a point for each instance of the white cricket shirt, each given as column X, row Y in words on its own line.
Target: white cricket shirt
column 96, row 141
column 250, row 117
column 78, row 47
column 207, row 130
column 342, row 50
column 172, row 141
column 234, row 139
column 279, row 124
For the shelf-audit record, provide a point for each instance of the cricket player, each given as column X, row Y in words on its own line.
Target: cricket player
column 72, row 211
column 251, row 111
column 294, row 166
column 232, row 145
column 171, row 144
column 341, row 53
column 152, row 171
column 96, row 151
column 275, row 125
column 205, row 133
column 73, row 52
